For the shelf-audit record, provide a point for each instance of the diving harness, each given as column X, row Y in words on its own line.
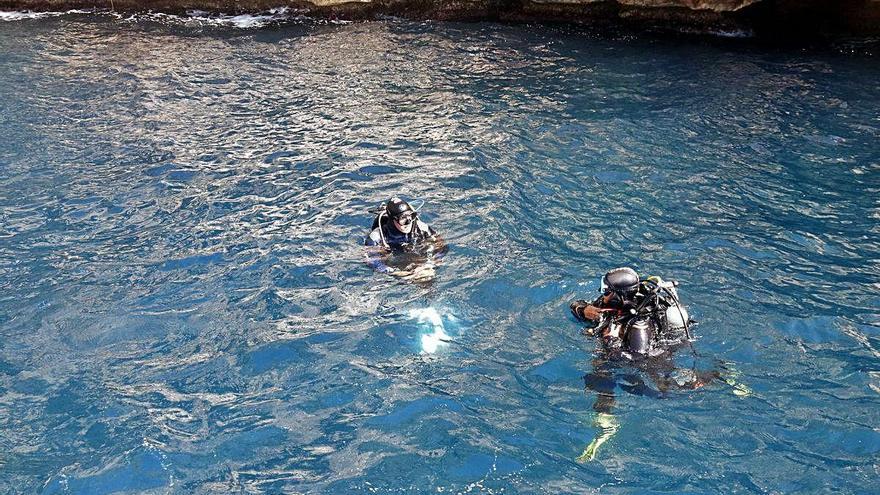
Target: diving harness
column 652, row 312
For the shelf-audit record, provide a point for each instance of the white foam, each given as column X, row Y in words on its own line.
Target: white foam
column 193, row 17
column 733, row 33
column 21, row 16
column 243, row 21
column 252, row 21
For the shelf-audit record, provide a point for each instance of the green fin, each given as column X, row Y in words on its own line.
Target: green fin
column 608, row 426
column 739, row 389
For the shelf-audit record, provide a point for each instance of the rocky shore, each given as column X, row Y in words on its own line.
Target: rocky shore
column 763, row 18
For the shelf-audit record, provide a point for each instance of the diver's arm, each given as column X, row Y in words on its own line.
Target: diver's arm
column 592, row 311
column 438, row 244
column 373, row 239
column 375, row 252
column 584, row 311
column 440, row 247
column 374, row 259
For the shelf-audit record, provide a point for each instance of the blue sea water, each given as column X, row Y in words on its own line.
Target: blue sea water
column 185, row 307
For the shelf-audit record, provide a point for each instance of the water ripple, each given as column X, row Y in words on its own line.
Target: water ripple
column 185, row 305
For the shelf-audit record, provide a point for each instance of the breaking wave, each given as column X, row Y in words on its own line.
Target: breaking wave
column 193, row 18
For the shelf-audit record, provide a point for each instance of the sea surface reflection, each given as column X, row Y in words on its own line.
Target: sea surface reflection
column 185, row 306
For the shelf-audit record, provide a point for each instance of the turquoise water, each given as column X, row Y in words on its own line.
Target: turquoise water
column 185, row 307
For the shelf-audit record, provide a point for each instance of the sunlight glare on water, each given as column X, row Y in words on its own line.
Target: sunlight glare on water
column 436, row 335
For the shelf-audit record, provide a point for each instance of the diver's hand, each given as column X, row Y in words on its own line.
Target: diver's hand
column 421, row 273
column 595, row 314
column 417, row 274
column 592, row 313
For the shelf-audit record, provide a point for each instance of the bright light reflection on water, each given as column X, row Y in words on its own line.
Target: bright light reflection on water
column 435, row 334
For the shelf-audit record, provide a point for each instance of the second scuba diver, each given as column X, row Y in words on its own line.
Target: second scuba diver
column 635, row 317
column 640, row 322
column 401, row 244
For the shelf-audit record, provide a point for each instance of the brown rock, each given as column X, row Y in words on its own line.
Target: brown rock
column 768, row 18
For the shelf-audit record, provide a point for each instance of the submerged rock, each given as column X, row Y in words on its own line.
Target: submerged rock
column 766, row 18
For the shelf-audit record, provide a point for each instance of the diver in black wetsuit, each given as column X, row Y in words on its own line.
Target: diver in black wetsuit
column 635, row 317
column 398, row 231
column 640, row 322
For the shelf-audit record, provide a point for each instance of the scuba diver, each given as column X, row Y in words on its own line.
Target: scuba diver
column 401, row 244
column 635, row 317
column 639, row 322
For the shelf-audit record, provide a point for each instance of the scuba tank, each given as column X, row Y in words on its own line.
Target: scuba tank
column 671, row 314
column 381, row 214
column 676, row 317
column 638, row 335
column 633, row 332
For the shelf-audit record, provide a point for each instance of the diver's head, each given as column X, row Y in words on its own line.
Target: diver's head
column 623, row 282
column 402, row 215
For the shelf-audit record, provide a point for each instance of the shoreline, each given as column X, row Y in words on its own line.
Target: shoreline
column 773, row 20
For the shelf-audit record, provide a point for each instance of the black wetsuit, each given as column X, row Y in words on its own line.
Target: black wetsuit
column 420, row 241
column 397, row 240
